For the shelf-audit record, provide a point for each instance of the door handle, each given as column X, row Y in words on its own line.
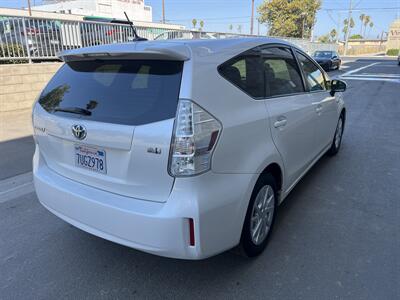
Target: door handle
column 318, row 109
column 281, row 121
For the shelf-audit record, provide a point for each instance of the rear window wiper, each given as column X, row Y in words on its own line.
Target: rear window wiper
column 74, row 110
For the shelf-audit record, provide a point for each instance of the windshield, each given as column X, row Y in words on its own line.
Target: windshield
column 326, row 54
column 130, row 92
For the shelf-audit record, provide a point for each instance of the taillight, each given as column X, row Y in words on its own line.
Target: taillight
column 111, row 32
column 195, row 135
column 32, row 31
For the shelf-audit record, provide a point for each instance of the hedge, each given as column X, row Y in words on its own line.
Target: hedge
column 392, row 52
column 13, row 50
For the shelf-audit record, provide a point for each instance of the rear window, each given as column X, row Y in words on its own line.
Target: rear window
column 129, row 92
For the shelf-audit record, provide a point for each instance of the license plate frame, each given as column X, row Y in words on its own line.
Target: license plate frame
column 90, row 158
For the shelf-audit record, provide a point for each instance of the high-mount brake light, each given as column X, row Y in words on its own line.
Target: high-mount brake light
column 195, row 136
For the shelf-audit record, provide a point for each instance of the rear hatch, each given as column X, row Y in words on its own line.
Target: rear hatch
column 108, row 123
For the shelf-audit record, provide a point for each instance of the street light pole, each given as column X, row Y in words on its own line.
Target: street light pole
column 346, row 42
column 252, row 17
column 303, row 16
column 29, row 8
column 163, row 11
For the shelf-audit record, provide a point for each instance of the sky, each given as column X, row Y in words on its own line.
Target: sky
column 219, row 14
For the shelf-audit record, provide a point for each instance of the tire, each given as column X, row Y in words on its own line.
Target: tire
column 337, row 139
column 338, row 67
column 263, row 201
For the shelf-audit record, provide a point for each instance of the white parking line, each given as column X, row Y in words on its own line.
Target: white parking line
column 358, row 69
column 378, row 75
column 15, row 187
column 353, row 75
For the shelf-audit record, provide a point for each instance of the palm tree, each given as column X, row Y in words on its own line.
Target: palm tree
column 201, row 24
column 367, row 20
column 194, row 22
column 346, row 25
column 333, row 35
column 362, row 17
column 371, row 24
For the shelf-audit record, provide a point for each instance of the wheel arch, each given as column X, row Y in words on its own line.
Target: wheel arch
column 276, row 171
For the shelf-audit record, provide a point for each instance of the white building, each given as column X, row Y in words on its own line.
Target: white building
column 136, row 9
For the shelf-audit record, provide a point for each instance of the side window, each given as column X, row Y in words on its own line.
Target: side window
column 245, row 72
column 282, row 76
column 314, row 77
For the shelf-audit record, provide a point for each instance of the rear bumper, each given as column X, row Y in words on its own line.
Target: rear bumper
column 216, row 202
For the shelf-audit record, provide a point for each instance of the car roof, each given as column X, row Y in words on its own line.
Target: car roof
column 173, row 49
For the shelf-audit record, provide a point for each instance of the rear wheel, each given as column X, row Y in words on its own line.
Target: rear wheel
column 337, row 140
column 260, row 217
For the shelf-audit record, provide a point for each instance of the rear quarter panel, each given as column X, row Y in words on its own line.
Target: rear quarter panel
column 245, row 144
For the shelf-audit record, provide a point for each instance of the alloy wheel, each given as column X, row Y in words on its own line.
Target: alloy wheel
column 339, row 132
column 262, row 214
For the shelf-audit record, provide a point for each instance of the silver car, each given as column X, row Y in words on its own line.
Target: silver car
column 182, row 148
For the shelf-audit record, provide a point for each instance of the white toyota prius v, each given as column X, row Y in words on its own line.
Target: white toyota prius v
column 182, row 148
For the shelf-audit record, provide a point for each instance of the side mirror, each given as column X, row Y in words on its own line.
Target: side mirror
column 337, row 86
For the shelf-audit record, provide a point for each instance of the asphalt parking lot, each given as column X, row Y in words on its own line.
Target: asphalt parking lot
column 337, row 235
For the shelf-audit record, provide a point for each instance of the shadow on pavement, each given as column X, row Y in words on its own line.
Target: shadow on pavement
column 16, row 156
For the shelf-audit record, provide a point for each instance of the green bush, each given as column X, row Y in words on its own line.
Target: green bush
column 392, row 52
column 13, row 50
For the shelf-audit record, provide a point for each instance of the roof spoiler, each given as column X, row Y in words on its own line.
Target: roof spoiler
column 154, row 54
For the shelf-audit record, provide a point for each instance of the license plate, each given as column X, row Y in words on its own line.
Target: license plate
column 90, row 158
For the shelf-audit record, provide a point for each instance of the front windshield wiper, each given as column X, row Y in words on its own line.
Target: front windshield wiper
column 74, row 110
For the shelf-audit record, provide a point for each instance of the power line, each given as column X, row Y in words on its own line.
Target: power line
column 361, row 8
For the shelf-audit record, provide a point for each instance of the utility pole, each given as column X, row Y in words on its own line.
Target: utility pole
column 339, row 28
column 258, row 27
column 29, row 8
column 346, row 42
column 252, row 17
column 163, row 11
column 303, row 16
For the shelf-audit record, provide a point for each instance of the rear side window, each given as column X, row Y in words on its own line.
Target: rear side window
column 129, row 92
column 314, row 77
column 282, row 76
column 245, row 72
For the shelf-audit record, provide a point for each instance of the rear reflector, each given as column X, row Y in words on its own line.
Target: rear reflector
column 191, row 232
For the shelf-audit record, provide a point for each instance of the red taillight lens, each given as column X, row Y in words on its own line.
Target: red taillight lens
column 111, row 32
column 195, row 135
column 191, row 232
column 32, row 31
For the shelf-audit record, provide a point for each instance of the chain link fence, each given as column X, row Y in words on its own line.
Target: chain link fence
column 26, row 39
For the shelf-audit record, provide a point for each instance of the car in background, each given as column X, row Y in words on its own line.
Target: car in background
column 184, row 35
column 37, row 37
column 398, row 58
column 98, row 31
column 328, row 60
